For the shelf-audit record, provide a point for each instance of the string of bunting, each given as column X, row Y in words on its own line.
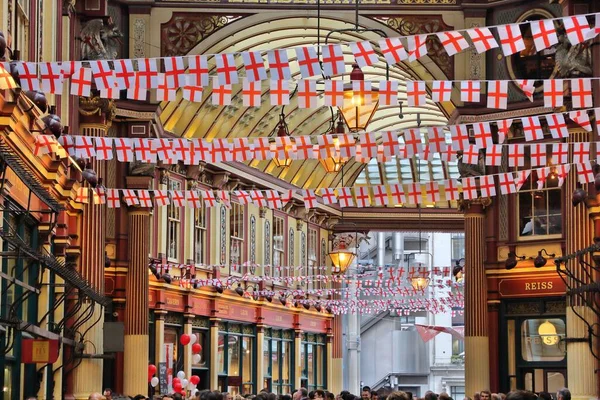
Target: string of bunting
column 415, row 193
column 192, row 73
column 363, row 147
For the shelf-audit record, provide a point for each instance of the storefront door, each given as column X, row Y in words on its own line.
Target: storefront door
column 543, row 379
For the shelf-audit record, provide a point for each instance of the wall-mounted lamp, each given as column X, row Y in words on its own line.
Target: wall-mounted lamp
column 513, row 260
column 540, row 261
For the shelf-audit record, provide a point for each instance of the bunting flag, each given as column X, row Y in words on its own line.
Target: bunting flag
column 482, row 39
column 363, row 52
column 198, row 71
column 511, row 40
column 333, row 60
column 226, row 70
column 251, row 93
column 441, row 91
column 279, row 65
column 308, row 61
column 393, row 50
column 544, row 34
column 453, row 42
column 254, row 66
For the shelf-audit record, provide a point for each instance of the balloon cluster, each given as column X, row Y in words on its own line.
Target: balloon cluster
column 185, row 340
column 181, row 385
column 151, row 378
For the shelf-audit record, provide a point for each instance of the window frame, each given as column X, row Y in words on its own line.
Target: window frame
column 177, row 222
column 277, row 336
column 312, row 340
column 201, row 229
column 312, row 264
column 241, row 240
column 279, row 220
column 226, row 331
column 528, row 188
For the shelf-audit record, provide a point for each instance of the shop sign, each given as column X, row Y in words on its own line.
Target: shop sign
column 39, row 351
column 532, row 287
column 162, row 378
column 312, row 324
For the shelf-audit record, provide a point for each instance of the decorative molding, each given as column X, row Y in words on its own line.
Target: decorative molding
column 303, row 248
column 223, row 223
column 291, row 246
column 121, row 112
column 252, row 239
column 139, row 38
column 267, row 250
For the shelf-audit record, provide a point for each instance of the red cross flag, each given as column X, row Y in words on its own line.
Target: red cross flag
column 251, row 93
column 112, row 198
column 221, row 150
column 413, row 142
column 397, row 194
column 557, row 126
column 51, row 78
column 345, row 197
column 175, row 72
column 487, row 186
column 507, row 183
column 493, row 155
column 68, row 68
column 262, row 149
column 460, row 136
column 511, row 39
column 124, row 149
column 532, row 128
column 242, row 196
column 497, row 96
column 181, row 151
column 441, row 91
column 104, row 148
column 503, row 128
column 388, row 93
column 432, row 191
column 537, row 155
column 577, row 28
column 470, row 91
column 527, row 87
column 333, row 60
column 543, row 33
column 143, row 150
column 224, row 198
column 328, row 196
column 361, row 93
column 192, row 198
column 144, row 198
column 416, row 93
column 585, row 173
column 469, row 187
column 226, row 70
column 221, row 94
column 164, row 150
column 451, row 189
column 200, row 150
column 99, row 195
column 596, row 31
column 138, row 91
column 82, row 195
column 110, row 93
column 520, row 178
column 67, row 143
column 417, row 47
column 148, row 73
column 582, row 119
column 363, row 53
column 334, row 93
column 44, row 144
column 104, row 76
column 254, row 66
column 308, row 61
column 516, row 155
column 393, row 50
column 362, row 196
column 389, row 142
column 273, row 199
column 482, row 132
column 581, row 152
column 326, row 146
column 542, row 175
column 161, row 198
column 368, row 145
column 581, row 93
column 553, row 92
column 84, row 147
column 452, row 41
column 347, row 146
column 81, row 82
column 562, row 171
column 597, row 118
column 243, row 149
column 286, row 197
column 28, row 76
column 279, row 65
column 130, row 198
column 436, row 139
column 193, row 93
column 177, row 197
column 197, row 71
column 280, row 93
column 6, row 79
column 471, row 155
column 413, row 193
column 426, row 154
column 258, row 198
column 380, row 196
column 310, row 200
column 286, row 148
column 482, row 39
column 307, row 93
column 560, row 153
column 124, row 73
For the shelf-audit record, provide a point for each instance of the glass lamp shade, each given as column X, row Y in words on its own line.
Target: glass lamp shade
column 332, row 164
column 341, row 258
column 282, row 163
column 547, row 332
column 420, row 283
column 358, row 110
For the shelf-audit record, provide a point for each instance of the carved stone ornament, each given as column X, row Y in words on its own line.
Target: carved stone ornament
column 571, row 61
column 481, row 201
column 99, row 41
column 139, row 168
column 95, row 105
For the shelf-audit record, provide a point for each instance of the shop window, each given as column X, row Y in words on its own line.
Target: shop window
column 313, row 361
column 202, row 340
column 457, row 392
column 173, row 225
column 171, row 350
column 277, row 358
column 279, row 247
column 200, row 217
column 236, row 232
column 542, row 340
column 235, row 358
column 540, row 210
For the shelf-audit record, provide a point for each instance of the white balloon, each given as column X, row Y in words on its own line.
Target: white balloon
column 184, row 383
column 154, row 381
column 193, row 339
column 181, row 375
column 196, row 358
column 191, row 386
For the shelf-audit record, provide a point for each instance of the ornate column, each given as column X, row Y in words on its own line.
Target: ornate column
column 136, row 354
column 297, row 358
column 579, row 233
column 187, row 350
column 260, row 361
column 159, row 342
column 329, row 363
column 477, row 357
column 214, row 353
column 95, row 119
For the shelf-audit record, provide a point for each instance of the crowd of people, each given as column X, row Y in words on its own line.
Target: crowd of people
column 366, row 394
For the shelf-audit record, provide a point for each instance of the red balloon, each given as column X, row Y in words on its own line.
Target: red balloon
column 196, row 348
column 149, row 376
column 185, row 339
column 182, row 392
column 176, row 380
column 195, row 379
column 177, row 386
column 151, row 369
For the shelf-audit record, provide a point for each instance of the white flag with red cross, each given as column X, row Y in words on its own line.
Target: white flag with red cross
column 104, row 76
column 576, row 28
column 413, row 142
column 397, row 194
column 177, row 197
column 163, row 92
column 362, row 196
column 346, row 145
column 451, row 187
column 553, row 93
column 124, row 73
column 520, row 178
column 82, row 196
column 557, row 126
column 470, row 91
column 308, row 61
column 363, row 52
column 84, row 147
column 417, row 47
column 144, row 198
column 432, row 191
column 516, row 155
column 436, row 139
column 221, row 94
column 460, row 136
column 227, row 73
column 469, row 188
column 197, row 74
column 51, row 78
column 81, row 82
column 506, row 181
column 482, row 39
column 581, row 152
column 393, row 50
column 493, row 155
column 441, row 91
column 333, row 60
column 192, row 198
column 497, row 96
column 112, row 198
column 471, row 154
column 130, row 197
column 28, row 76
column 251, row 93
column 161, row 198
column 345, row 197
column 511, row 39
column 148, row 72
column 581, row 93
column 175, row 72
column 582, row 119
column 482, row 132
column 416, row 93
column 138, row 91
column 380, row 195
column 328, row 196
column 254, row 66
column 453, row 42
column 279, row 65
column 585, row 173
column 388, row 93
column 45, row 144
column 258, row 198
column 334, row 93
column 527, row 87
column 532, row 128
column 279, row 93
column 124, row 149
column 487, row 186
column 273, row 199
column 560, row 153
column 243, row 197
column 538, row 154
column 413, row 193
column 193, row 93
column 104, row 148
column 544, row 34
column 307, row 93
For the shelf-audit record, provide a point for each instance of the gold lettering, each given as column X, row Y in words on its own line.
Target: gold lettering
column 527, row 286
column 550, row 285
column 546, row 285
column 278, row 318
column 173, row 302
column 244, row 313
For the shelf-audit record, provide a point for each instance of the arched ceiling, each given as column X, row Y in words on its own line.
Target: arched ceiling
column 266, row 31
